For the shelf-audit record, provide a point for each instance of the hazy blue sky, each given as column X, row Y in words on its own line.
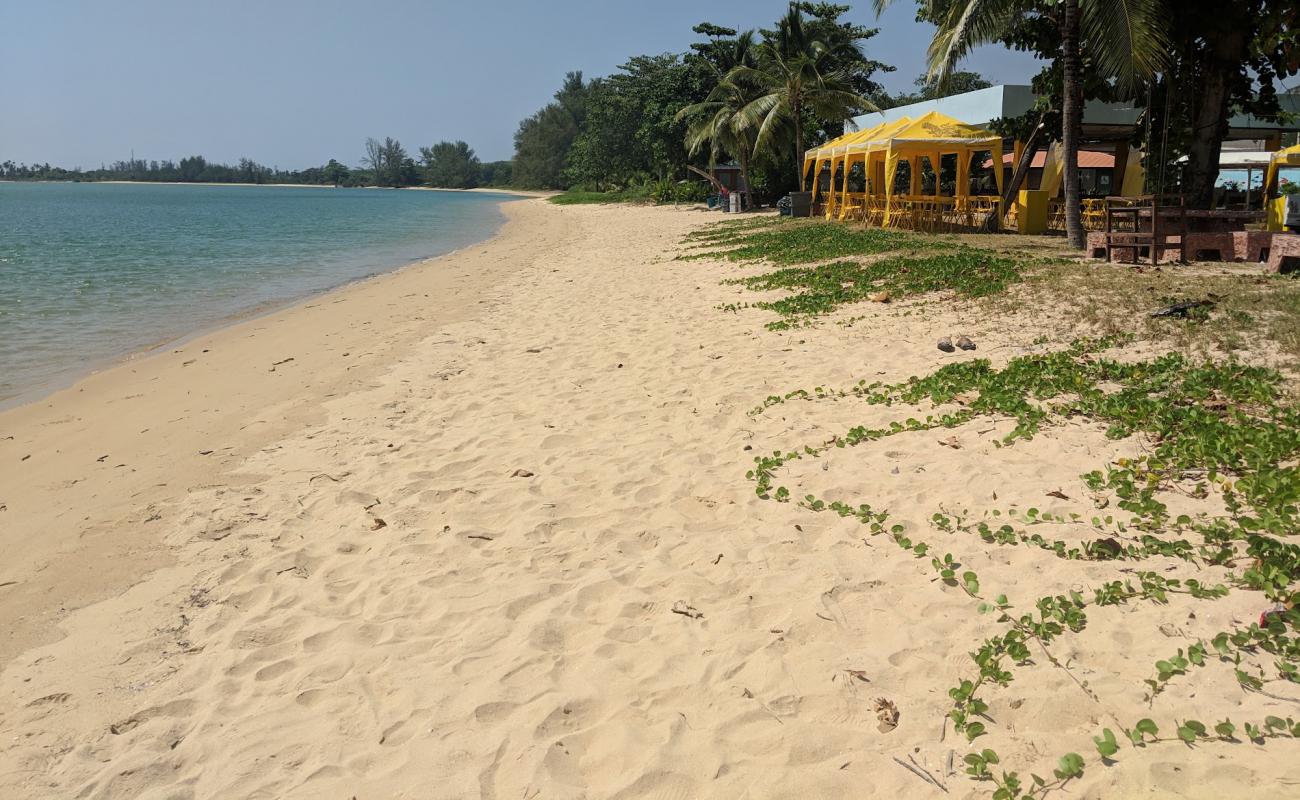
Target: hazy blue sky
column 293, row 83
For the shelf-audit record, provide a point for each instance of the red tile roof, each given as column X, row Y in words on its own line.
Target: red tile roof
column 1088, row 159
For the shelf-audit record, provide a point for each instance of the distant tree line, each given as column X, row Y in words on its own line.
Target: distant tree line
column 451, row 165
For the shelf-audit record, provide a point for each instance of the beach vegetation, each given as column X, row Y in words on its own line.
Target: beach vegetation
column 797, row 83
column 797, row 75
column 454, row 165
column 630, row 134
column 388, row 163
column 581, row 197
column 661, row 191
column 1249, row 313
column 717, row 122
column 544, row 138
column 1220, row 431
column 825, row 266
column 451, row 165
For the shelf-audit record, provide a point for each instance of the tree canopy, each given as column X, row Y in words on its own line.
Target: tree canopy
column 451, row 165
column 628, row 127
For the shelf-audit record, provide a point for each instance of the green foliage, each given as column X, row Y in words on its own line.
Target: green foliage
column 543, row 140
column 628, row 127
column 631, row 128
column 388, row 163
column 659, row 191
column 958, row 82
column 782, row 241
column 192, row 169
column 799, row 74
column 579, row 197
column 450, row 165
column 496, row 173
column 1208, row 426
column 816, row 290
column 335, row 173
column 967, row 272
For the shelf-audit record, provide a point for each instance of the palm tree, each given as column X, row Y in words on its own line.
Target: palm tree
column 1125, row 39
column 797, row 75
column 717, row 120
column 719, row 124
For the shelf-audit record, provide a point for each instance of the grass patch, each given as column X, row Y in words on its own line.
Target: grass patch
column 921, row 264
column 1222, row 429
column 819, row 290
column 1251, row 311
column 577, row 198
column 798, row 241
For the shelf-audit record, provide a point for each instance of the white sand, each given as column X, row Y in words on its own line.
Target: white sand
column 239, row 624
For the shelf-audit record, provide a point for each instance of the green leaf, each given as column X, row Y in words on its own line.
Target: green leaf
column 1106, row 744
column 1225, row 729
column 974, row 730
column 1069, row 766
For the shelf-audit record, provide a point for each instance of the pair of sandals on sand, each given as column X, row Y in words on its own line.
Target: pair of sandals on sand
column 964, row 342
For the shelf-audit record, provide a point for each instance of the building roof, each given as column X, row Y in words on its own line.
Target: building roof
column 930, row 129
column 1088, row 159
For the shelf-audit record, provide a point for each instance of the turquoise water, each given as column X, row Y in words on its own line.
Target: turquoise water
column 91, row 272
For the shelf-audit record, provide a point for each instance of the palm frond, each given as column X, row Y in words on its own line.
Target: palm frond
column 968, row 25
column 1125, row 38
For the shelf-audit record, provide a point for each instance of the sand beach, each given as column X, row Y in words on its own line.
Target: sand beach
column 480, row 528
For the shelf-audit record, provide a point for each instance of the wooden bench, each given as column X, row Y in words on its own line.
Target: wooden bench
column 1152, row 223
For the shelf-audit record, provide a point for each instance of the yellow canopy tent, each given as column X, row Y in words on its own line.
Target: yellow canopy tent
column 882, row 148
column 832, row 152
column 870, row 150
column 932, row 136
column 818, row 156
column 1276, row 204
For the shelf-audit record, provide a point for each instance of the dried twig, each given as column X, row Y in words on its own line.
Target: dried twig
column 920, row 773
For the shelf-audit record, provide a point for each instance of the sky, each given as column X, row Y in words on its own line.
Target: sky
column 293, row 83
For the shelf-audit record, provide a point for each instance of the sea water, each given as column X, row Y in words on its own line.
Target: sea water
column 90, row 272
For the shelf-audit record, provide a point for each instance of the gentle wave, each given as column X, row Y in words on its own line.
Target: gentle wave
column 91, row 272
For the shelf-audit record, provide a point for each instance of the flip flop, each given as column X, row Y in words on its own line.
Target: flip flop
column 945, row 344
column 965, row 343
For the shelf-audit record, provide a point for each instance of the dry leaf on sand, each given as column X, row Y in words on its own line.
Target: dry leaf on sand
column 887, row 713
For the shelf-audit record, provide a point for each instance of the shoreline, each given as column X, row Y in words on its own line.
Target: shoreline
column 149, row 365
column 477, row 189
column 486, row 527
column 69, row 377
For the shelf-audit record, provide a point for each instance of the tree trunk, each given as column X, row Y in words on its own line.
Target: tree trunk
column 744, row 178
column 1022, row 168
column 1210, row 115
column 1071, row 122
column 797, row 107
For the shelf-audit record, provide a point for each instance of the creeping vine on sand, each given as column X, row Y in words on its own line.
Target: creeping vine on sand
column 818, row 279
column 1211, row 428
